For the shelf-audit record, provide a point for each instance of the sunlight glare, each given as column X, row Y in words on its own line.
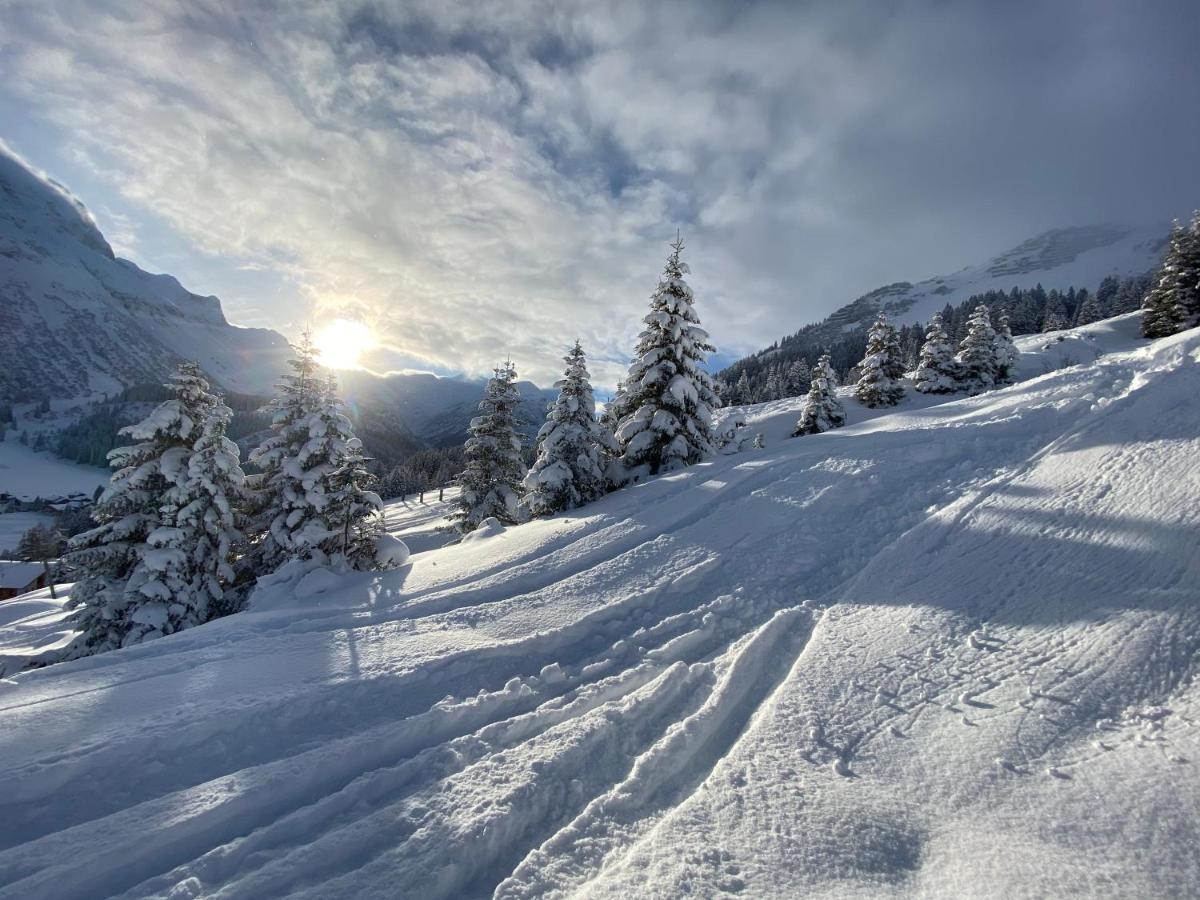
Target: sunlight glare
column 342, row 342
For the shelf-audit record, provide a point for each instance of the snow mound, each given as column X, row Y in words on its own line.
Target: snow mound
column 391, row 552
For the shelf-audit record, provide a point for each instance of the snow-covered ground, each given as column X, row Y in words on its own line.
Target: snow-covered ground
column 944, row 651
column 28, row 475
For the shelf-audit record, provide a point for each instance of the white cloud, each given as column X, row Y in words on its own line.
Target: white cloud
column 482, row 180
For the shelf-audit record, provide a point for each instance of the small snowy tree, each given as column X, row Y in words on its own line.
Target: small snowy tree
column 882, row 367
column 354, row 513
column 822, row 409
column 937, row 371
column 120, row 598
column 278, row 500
column 1006, row 350
column 572, row 446
column 742, row 394
column 1173, row 304
column 670, row 397
column 977, row 352
column 492, row 481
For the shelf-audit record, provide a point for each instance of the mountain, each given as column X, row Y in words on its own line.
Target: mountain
column 949, row 650
column 1079, row 257
column 77, row 323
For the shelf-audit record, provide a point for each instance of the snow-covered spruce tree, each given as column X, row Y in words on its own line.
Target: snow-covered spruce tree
column 1006, row 350
column 191, row 562
column 822, row 409
column 1173, row 304
column 798, row 378
column 669, row 397
column 572, row 446
column 882, row 367
column 977, row 352
column 741, row 390
column 492, row 481
column 119, row 598
column 354, row 513
column 937, row 371
column 278, row 504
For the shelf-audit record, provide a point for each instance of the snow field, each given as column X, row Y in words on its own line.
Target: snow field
column 944, row 651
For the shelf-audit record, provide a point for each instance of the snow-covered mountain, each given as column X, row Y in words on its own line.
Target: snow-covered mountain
column 1064, row 257
column 948, row 650
column 75, row 320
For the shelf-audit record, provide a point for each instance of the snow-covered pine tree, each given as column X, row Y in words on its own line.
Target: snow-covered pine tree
column 882, row 367
column 119, row 598
column 277, row 490
column 822, row 409
column 615, row 409
column 1006, row 349
column 354, row 513
column 492, row 481
column 799, row 378
column 1173, row 304
column 977, row 352
column 572, row 446
column 671, row 397
column 937, row 371
column 742, row 394
column 191, row 563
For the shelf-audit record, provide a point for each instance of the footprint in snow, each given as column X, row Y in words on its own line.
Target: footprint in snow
column 1055, row 772
column 841, row 767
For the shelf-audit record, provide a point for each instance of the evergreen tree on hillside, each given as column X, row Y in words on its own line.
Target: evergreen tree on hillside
column 742, row 393
column 798, row 378
column 977, row 353
column 119, row 598
column 882, row 367
column 937, row 370
column 1173, row 304
column 822, row 409
column 572, row 446
column 1056, row 316
column 1006, row 349
column 191, row 568
column 671, row 397
column 354, row 513
column 615, row 409
column 278, row 500
column 492, row 481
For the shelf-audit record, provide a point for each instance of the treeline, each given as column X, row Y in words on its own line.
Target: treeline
column 784, row 369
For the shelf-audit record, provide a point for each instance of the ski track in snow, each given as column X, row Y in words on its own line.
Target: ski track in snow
column 691, row 686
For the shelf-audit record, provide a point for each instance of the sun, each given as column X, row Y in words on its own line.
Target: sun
column 342, row 342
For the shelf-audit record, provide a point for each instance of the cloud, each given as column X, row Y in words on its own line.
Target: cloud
column 482, row 180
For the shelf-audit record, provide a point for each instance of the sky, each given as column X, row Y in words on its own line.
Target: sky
column 476, row 181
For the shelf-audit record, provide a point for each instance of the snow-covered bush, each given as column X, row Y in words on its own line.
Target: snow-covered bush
column 937, row 370
column 822, row 409
column 1173, row 304
column 882, row 367
column 572, row 446
column 492, row 481
column 669, row 398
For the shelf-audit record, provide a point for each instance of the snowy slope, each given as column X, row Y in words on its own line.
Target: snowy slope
column 1065, row 257
column 947, row 651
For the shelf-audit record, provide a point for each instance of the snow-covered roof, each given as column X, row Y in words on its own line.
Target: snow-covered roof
column 17, row 574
